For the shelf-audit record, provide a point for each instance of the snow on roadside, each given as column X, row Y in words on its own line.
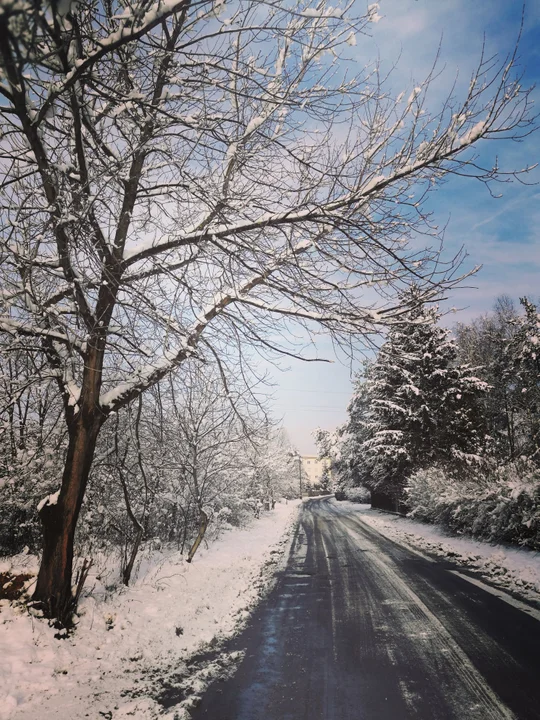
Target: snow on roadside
column 126, row 642
column 513, row 569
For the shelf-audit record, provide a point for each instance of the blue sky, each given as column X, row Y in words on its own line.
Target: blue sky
column 500, row 234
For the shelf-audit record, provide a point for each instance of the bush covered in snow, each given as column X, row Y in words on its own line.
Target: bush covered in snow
column 357, row 494
column 498, row 504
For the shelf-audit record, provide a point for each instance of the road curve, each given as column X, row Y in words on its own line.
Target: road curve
column 360, row 628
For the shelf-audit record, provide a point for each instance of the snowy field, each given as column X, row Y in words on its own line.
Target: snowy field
column 513, row 569
column 159, row 638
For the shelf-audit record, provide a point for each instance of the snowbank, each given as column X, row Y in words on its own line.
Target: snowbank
column 514, row 569
column 133, row 644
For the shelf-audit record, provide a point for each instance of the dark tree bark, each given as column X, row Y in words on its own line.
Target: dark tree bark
column 59, row 521
column 53, row 589
column 126, row 574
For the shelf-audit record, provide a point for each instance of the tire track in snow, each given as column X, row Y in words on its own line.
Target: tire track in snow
column 443, row 660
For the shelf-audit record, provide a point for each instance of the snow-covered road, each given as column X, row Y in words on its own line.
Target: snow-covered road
column 359, row 627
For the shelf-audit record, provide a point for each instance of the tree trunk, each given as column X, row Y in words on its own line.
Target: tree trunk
column 202, row 530
column 126, row 575
column 53, row 589
column 185, row 529
column 139, row 529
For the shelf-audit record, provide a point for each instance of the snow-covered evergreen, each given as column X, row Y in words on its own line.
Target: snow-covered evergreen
column 416, row 405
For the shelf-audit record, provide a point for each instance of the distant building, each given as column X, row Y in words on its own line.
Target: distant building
column 313, row 468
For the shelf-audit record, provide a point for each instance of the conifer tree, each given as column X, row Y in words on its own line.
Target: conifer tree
column 423, row 407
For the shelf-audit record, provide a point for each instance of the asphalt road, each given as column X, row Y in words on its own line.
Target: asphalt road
column 361, row 628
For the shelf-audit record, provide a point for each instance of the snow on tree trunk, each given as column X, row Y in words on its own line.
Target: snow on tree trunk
column 59, row 519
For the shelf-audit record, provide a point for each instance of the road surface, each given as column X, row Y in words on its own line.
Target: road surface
column 360, row 628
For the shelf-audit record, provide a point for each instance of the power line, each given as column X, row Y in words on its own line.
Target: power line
column 311, row 408
column 318, row 392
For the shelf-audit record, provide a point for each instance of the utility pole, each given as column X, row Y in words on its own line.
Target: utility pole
column 300, row 473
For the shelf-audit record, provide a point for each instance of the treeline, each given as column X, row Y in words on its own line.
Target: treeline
column 193, row 453
column 447, row 425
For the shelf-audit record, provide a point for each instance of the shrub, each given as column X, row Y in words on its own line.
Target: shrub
column 498, row 504
column 358, row 494
column 19, row 528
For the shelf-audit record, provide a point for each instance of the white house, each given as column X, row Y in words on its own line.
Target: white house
column 312, row 468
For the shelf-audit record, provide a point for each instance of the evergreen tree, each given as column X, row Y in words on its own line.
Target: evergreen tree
column 325, row 483
column 423, row 405
column 357, row 431
column 334, row 446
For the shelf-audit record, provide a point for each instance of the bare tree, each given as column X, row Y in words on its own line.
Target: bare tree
column 174, row 463
column 485, row 343
column 273, row 467
column 181, row 173
column 210, row 431
column 32, row 444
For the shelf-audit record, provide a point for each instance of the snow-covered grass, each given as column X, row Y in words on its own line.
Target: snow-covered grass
column 510, row 568
column 133, row 644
